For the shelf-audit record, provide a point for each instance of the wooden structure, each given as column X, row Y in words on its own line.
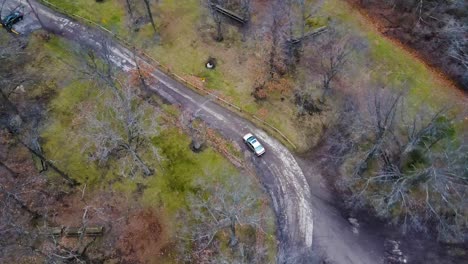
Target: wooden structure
column 310, row 34
column 229, row 14
column 92, row 231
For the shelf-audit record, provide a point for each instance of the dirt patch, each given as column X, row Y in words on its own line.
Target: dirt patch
column 143, row 237
column 197, row 81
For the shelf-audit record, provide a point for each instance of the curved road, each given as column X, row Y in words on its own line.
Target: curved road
column 278, row 170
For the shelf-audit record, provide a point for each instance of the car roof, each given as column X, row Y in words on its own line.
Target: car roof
column 255, row 143
column 12, row 15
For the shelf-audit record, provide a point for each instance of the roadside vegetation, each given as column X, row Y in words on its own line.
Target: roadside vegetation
column 83, row 146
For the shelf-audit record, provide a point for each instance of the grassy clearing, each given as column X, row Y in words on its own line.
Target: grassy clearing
column 110, row 14
column 61, row 136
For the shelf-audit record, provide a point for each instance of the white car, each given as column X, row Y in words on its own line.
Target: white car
column 253, row 144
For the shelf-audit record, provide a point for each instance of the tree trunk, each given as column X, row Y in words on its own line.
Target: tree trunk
column 130, row 10
column 7, row 103
column 233, row 240
column 147, row 171
column 140, row 74
column 303, row 26
column 364, row 163
column 326, row 86
column 71, row 182
column 290, row 46
column 37, row 147
column 150, row 15
column 35, row 14
column 21, row 204
column 274, row 46
column 219, row 31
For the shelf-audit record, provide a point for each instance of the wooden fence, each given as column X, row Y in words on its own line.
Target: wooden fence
column 229, row 14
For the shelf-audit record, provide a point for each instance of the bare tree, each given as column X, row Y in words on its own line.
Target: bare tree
column 195, row 129
column 246, row 8
column 412, row 172
column 278, row 34
column 456, row 32
column 129, row 4
column 21, row 201
column 98, row 68
column 57, row 251
column 458, row 49
column 378, row 123
column 335, row 50
column 459, row 52
column 150, row 14
column 299, row 14
column 14, row 196
column 20, row 115
column 36, row 14
column 223, row 207
column 121, row 129
column 217, row 18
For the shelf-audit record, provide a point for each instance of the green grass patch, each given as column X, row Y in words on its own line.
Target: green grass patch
column 180, row 169
column 110, row 14
column 62, row 143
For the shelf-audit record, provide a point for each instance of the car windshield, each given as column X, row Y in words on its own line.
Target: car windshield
column 259, row 148
column 11, row 17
